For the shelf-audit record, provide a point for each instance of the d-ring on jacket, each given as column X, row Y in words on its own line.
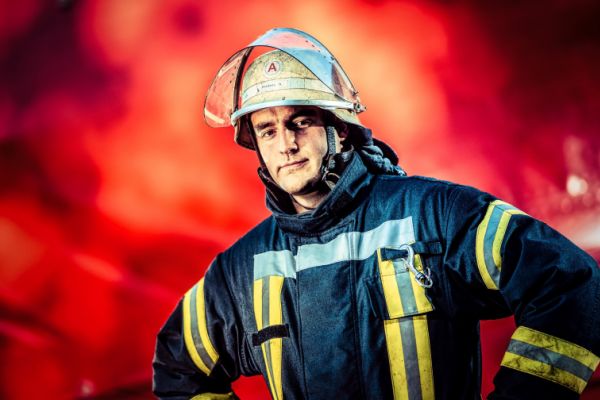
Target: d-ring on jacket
column 378, row 293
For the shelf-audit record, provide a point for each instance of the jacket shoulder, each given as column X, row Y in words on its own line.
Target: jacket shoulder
column 254, row 237
column 239, row 257
column 430, row 197
column 416, row 186
column 427, row 184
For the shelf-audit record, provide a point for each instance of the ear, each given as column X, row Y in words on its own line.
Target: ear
column 342, row 131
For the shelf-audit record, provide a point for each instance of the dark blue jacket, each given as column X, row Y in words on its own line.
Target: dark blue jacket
column 378, row 294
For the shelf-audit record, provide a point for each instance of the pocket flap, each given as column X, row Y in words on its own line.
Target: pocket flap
column 428, row 248
column 395, row 293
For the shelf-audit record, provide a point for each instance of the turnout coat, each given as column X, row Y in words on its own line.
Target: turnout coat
column 378, row 294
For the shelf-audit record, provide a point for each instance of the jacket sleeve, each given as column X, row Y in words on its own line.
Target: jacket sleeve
column 196, row 354
column 510, row 263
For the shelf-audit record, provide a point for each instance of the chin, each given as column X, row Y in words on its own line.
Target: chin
column 300, row 188
column 295, row 190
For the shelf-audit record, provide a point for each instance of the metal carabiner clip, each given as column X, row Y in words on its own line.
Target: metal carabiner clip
column 423, row 279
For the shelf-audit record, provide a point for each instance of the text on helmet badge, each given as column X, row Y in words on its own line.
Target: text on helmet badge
column 272, row 68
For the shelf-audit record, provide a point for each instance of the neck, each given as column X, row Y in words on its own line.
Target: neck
column 307, row 202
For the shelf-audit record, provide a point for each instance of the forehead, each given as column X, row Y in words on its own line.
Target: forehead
column 282, row 114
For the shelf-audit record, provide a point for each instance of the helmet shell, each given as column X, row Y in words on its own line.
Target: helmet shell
column 300, row 72
column 278, row 79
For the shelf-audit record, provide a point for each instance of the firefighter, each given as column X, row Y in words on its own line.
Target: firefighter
column 366, row 283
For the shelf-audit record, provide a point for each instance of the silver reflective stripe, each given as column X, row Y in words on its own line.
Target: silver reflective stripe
column 280, row 263
column 356, row 245
column 285, row 84
column 345, row 247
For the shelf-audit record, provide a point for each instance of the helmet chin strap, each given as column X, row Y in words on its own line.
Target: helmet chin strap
column 328, row 166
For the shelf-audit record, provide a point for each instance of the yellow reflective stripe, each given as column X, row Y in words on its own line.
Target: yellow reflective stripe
column 200, row 309
column 258, row 315
column 275, row 286
column 393, row 340
column 408, row 343
column 391, row 292
column 551, row 358
column 272, row 349
column 479, row 255
column 422, row 302
column 276, row 350
column 266, row 355
column 488, row 253
column 561, row 346
column 543, row 370
column 424, row 356
column 275, row 318
column 497, row 244
column 500, row 232
column 407, row 339
column 258, row 306
column 187, row 335
column 195, row 329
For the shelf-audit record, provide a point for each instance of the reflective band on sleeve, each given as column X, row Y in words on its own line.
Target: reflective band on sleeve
column 488, row 243
column 195, row 330
column 409, row 354
column 549, row 357
column 267, row 312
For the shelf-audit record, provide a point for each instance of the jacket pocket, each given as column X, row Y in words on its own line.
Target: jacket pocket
column 399, row 288
column 398, row 297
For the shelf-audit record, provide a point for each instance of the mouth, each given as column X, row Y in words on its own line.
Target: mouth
column 292, row 165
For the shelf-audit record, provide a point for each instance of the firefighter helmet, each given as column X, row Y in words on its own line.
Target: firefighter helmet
column 300, row 71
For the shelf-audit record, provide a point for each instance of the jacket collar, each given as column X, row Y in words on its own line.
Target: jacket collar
column 347, row 193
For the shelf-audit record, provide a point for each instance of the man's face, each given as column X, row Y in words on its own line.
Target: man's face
column 292, row 142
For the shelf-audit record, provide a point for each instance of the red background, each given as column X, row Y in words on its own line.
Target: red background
column 115, row 196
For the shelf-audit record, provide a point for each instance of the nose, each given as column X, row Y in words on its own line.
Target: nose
column 287, row 141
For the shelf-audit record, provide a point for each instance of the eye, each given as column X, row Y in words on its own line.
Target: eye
column 265, row 134
column 302, row 123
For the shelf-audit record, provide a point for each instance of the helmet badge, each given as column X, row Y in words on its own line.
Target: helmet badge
column 272, row 68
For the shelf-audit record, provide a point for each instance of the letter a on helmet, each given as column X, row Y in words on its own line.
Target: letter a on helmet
column 300, row 71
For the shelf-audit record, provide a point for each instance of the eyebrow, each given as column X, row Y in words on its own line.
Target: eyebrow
column 263, row 125
column 307, row 112
column 300, row 113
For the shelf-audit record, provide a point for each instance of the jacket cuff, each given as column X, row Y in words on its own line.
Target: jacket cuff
column 511, row 384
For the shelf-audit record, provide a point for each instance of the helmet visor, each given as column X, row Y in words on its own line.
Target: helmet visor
column 223, row 95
